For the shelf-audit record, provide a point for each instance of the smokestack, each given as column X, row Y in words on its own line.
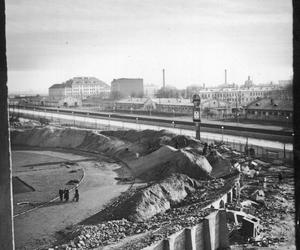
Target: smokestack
column 225, row 76
column 164, row 83
column 248, row 78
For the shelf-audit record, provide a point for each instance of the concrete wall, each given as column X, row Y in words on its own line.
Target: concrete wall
column 210, row 234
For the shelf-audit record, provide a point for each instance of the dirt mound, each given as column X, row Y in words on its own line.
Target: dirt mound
column 220, row 165
column 143, row 151
column 167, row 160
column 65, row 138
column 142, row 142
column 156, row 198
column 183, row 141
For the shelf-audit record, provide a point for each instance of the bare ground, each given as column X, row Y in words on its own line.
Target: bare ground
column 36, row 229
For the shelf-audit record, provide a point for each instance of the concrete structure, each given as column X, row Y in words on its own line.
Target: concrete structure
column 270, row 109
column 210, row 234
column 6, row 203
column 78, row 87
column 127, row 87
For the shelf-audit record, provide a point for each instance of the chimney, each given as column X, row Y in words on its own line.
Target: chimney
column 225, row 76
column 164, row 83
column 248, row 78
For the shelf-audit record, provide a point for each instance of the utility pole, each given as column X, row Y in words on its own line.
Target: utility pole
column 6, row 203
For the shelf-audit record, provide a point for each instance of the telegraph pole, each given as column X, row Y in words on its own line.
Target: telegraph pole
column 196, row 114
column 6, row 204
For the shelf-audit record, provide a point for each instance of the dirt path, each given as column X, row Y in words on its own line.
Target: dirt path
column 36, row 229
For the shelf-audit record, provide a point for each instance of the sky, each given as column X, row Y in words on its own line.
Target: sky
column 50, row 42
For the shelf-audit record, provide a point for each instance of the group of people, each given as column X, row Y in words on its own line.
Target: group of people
column 65, row 193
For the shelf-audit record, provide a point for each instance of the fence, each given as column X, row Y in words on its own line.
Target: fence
column 263, row 152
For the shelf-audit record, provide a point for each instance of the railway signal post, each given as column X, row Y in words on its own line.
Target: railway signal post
column 196, row 114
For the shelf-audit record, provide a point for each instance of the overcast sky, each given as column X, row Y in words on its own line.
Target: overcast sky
column 194, row 40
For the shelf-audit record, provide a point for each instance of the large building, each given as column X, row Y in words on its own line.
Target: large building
column 79, row 87
column 240, row 96
column 127, row 87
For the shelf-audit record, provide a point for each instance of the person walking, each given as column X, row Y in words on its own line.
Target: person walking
column 66, row 194
column 76, row 195
column 61, row 194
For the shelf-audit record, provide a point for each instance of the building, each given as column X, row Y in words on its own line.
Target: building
column 239, row 96
column 248, row 83
column 174, row 106
column 127, row 87
column 78, row 87
column 270, row 109
column 150, row 90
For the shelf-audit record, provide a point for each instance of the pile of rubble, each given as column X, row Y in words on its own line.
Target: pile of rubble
column 87, row 237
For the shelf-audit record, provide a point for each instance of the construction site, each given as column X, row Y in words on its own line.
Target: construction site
column 145, row 189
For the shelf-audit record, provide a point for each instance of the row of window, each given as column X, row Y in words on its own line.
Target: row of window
column 234, row 94
column 275, row 113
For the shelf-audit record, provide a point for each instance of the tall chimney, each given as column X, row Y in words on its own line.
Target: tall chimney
column 164, row 83
column 225, row 76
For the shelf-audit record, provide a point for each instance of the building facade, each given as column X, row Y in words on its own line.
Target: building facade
column 270, row 109
column 79, row 87
column 150, row 90
column 127, row 87
column 239, row 96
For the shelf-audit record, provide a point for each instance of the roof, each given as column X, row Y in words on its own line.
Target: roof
column 127, row 80
column 271, row 104
column 165, row 101
column 80, row 80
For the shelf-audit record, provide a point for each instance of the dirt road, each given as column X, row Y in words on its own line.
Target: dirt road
column 36, row 229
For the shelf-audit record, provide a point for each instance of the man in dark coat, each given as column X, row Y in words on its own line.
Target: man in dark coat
column 66, row 194
column 61, row 194
column 76, row 195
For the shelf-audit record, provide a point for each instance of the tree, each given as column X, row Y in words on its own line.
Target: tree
column 192, row 89
column 169, row 92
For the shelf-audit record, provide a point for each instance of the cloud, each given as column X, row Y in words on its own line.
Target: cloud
column 115, row 37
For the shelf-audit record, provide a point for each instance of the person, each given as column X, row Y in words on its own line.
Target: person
column 61, row 194
column 66, row 193
column 205, row 149
column 76, row 195
column 280, row 177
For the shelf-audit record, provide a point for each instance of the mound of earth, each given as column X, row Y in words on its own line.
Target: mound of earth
column 167, row 160
column 156, row 198
column 124, row 145
column 65, row 138
column 151, row 155
column 220, row 165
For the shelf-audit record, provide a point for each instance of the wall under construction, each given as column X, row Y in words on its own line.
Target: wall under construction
column 210, row 234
